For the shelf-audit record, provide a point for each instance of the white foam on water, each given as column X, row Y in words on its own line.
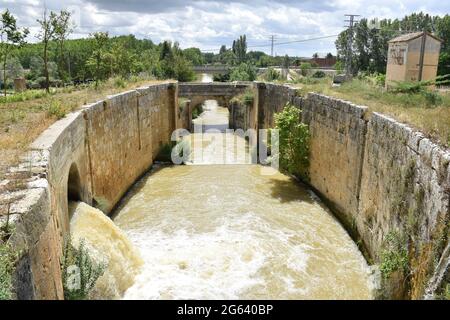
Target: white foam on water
column 107, row 243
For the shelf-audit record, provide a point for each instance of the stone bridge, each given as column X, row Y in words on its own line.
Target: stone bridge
column 198, row 93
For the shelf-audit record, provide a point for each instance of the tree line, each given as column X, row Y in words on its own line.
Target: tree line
column 370, row 40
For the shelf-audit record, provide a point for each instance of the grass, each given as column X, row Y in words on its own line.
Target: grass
column 428, row 112
column 24, row 116
column 7, row 264
column 245, row 98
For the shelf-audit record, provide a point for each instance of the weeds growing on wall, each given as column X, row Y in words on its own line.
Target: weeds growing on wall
column 294, row 142
column 197, row 111
column 394, row 256
column 79, row 271
column 7, row 265
column 245, row 98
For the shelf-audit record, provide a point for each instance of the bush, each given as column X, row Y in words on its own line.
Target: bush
column 243, row 72
column 56, row 109
column 305, row 67
column 79, row 271
column 294, row 142
column 119, row 82
column 394, row 256
column 432, row 98
column 197, row 111
column 272, row 74
column 319, row 74
column 7, row 265
column 245, row 98
column 221, row 77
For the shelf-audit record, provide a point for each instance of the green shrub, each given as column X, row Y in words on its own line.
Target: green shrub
column 294, row 142
column 432, row 98
column 305, row 67
column 243, row 72
column 197, row 111
column 119, row 82
column 394, row 256
column 319, row 74
column 79, row 271
column 56, row 109
column 7, row 265
column 165, row 152
column 245, row 98
column 272, row 74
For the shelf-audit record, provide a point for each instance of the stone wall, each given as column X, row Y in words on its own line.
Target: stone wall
column 382, row 179
column 271, row 98
column 405, row 191
column 337, row 131
column 94, row 155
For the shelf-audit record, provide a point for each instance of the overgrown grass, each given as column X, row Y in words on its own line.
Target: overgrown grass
column 25, row 96
column 245, row 98
column 7, row 265
column 427, row 111
column 80, row 272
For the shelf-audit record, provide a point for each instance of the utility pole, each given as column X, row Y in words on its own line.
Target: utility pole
column 348, row 63
column 272, row 40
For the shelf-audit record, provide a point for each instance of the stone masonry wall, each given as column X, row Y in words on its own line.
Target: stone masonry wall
column 381, row 178
column 405, row 191
column 98, row 151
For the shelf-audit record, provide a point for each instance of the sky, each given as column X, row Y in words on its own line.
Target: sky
column 209, row 24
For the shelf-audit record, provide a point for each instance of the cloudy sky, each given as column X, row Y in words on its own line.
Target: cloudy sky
column 208, row 24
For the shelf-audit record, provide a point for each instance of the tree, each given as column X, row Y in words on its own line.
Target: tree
column 243, row 72
column 223, row 49
column 63, row 28
column 286, row 62
column 11, row 36
column 97, row 59
column 315, row 55
column 240, row 48
column 194, row 55
column 46, row 34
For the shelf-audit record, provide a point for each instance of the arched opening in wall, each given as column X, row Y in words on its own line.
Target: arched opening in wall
column 73, row 186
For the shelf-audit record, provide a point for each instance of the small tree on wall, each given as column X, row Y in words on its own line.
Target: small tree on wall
column 294, row 141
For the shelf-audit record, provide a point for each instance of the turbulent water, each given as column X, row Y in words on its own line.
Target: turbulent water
column 228, row 232
column 107, row 244
column 210, row 230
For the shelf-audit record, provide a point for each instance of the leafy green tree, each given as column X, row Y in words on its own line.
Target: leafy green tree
column 194, row 55
column 125, row 61
column 98, row 62
column 266, row 61
column 183, row 69
column 294, row 142
column 62, row 29
column 243, row 72
column 286, row 62
column 11, row 36
column 240, row 48
column 48, row 25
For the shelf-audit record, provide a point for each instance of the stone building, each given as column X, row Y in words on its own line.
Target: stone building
column 413, row 57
